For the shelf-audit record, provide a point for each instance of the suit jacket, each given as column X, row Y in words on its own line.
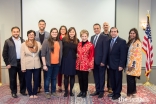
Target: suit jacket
column 85, row 59
column 134, row 58
column 118, row 54
column 46, row 36
column 101, row 49
column 28, row 60
column 9, row 52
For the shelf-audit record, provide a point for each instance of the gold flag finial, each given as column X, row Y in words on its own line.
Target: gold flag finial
column 148, row 14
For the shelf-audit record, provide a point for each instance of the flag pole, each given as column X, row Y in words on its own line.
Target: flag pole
column 147, row 83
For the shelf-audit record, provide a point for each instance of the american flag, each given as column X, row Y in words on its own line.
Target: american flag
column 148, row 48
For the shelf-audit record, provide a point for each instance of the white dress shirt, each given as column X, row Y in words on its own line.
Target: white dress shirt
column 18, row 47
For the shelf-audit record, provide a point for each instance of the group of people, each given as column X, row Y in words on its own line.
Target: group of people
column 60, row 53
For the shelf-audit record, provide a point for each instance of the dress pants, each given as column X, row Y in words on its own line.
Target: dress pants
column 13, row 78
column 39, row 78
column 108, row 79
column 99, row 77
column 32, row 90
column 83, row 80
column 116, row 81
column 131, row 85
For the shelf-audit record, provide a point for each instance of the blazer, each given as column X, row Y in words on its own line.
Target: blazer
column 46, row 36
column 69, row 46
column 118, row 54
column 46, row 52
column 9, row 52
column 85, row 56
column 134, row 58
column 101, row 49
column 30, row 60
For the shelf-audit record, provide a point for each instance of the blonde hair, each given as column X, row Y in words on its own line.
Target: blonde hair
column 84, row 32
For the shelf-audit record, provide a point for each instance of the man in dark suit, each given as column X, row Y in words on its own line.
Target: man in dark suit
column 41, row 35
column 117, row 59
column 100, row 58
column 12, row 58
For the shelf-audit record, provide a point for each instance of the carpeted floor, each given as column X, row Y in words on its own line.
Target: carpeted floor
column 145, row 95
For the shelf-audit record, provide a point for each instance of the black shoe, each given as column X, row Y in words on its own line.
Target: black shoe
column 71, row 94
column 100, row 95
column 84, row 94
column 65, row 94
column 24, row 94
column 80, row 94
column 115, row 97
column 110, row 95
column 14, row 96
column 94, row 94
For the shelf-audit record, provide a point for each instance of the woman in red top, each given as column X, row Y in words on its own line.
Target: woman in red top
column 84, row 62
column 62, row 34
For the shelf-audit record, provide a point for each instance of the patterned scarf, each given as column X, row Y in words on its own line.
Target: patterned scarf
column 32, row 46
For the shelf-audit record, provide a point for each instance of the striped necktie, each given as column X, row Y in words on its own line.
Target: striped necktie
column 112, row 43
column 95, row 40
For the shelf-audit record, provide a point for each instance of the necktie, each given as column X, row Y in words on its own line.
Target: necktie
column 95, row 40
column 112, row 43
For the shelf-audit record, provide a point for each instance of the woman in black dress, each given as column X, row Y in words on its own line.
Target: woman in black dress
column 70, row 42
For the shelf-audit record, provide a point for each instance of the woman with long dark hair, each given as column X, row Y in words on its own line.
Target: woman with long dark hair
column 70, row 43
column 62, row 33
column 134, row 60
column 51, row 57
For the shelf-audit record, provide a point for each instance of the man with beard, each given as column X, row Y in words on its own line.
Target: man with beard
column 41, row 35
column 11, row 56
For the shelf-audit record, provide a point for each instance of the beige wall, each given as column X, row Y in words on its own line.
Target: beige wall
column 130, row 13
column 10, row 15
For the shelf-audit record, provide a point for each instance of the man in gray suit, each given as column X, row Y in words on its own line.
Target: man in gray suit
column 41, row 35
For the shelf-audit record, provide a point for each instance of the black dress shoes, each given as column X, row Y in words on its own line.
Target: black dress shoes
column 110, row 95
column 24, row 94
column 71, row 94
column 100, row 95
column 14, row 96
column 84, row 94
column 115, row 97
column 94, row 94
column 80, row 94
